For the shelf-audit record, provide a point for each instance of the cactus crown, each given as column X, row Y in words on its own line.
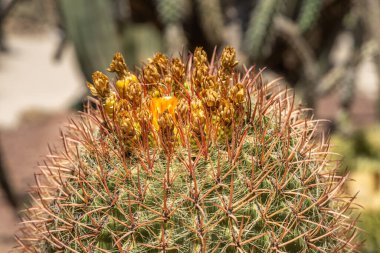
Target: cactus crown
column 189, row 156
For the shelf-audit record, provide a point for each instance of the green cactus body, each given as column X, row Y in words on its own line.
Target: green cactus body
column 189, row 157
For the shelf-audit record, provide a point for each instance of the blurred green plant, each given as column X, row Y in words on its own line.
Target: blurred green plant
column 361, row 153
column 370, row 224
column 361, row 149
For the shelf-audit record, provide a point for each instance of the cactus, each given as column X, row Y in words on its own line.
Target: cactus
column 258, row 26
column 90, row 20
column 212, row 21
column 189, row 156
column 309, row 14
column 172, row 14
column 172, row 11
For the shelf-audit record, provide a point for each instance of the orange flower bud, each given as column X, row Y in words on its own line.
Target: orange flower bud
column 159, row 105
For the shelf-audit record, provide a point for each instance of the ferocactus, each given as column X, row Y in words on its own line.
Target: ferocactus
column 189, row 156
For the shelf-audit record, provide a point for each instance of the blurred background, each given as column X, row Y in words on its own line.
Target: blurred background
column 328, row 51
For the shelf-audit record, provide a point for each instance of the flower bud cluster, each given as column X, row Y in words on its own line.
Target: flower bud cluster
column 164, row 96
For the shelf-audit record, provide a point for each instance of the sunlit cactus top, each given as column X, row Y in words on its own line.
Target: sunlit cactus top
column 189, row 156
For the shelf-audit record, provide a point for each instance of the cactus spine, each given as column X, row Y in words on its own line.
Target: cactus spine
column 189, row 157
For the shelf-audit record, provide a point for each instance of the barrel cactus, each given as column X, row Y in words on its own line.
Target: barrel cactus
column 189, row 156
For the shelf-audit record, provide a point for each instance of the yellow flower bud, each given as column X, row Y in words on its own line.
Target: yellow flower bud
column 109, row 104
column 236, row 94
column 228, row 58
column 126, row 123
column 210, row 97
column 118, row 66
column 122, row 85
column 100, row 88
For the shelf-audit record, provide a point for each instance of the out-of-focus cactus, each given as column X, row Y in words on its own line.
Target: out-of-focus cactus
column 90, row 25
column 140, row 41
column 259, row 23
column 172, row 13
column 189, row 157
column 310, row 10
column 212, row 21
